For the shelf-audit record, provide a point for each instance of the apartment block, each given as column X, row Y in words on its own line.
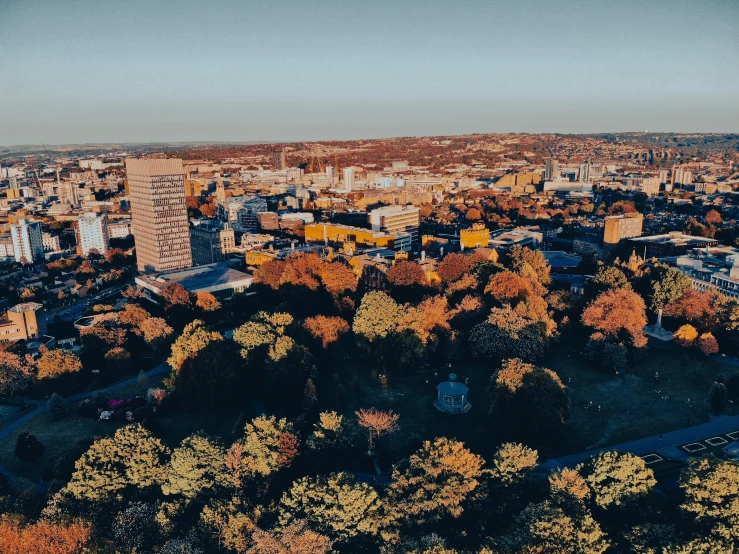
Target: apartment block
column 92, row 234
column 396, row 220
column 28, row 244
column 618, row 227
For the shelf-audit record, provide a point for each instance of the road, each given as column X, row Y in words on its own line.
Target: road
column 14, row 425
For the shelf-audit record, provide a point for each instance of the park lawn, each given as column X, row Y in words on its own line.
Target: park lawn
column 632, row 405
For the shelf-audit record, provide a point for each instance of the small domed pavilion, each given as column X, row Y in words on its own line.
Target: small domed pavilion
column 452, row 396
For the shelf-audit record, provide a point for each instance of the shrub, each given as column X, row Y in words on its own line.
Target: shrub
column 28, row 447
column 57, row 406
column 717, row 397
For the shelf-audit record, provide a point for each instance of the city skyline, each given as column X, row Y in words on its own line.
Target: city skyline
column 129, row 72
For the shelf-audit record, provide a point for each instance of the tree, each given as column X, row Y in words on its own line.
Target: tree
column 609, row 277
column 435, row 481
column 326, row 329
column 265, row 448
column 270, row 273
column 520, row 257
column 686, row 336
column 337, row 278
column 329, row 435
column 296, row 538
column 44, row 537
column 210, row 376
column 194, row 338
column 136, row 528
column 617, row 479
column 55, row 363
column 114, row 256
column 513, row 462
column 175, row 294
column 28, row 447
column 711, row 489
column 157, row 333
column 132, row 314
column 695, row 307
column 131, row 459
column 334, row 505
column 181, row 546
column 545, row 527
column 206, row 302
column 667, row 285
column 473, row 214
column 567, row 485
column 406, row 274
column 707, row 344
column 717, row 396
column 231, row 522
column 713, row 217
column 528, row 402
column 15, row 374
column 619, row 315
column 453, row 267
column 507, row 334
column 377, row 423
column 197, row 467
column 508, row 287
column 57, row 406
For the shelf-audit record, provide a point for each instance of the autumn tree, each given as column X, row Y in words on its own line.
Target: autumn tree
column 546, row 527
column 617, row 479
column 713, row 217
column 686, row 336
column 44, row 537
column 711, row 489
column 377, row 423
column 707, row 344
column 175, row 294
column 57, row 362
column 267, row 445
column 157, row 334
column 295, row 538
column 529, row 402
column 194, row 338
column 513, row 462
column 206, row 302
column 523, row 260
column 197, row 467
column 406, row 274
column 15, row 374
column 131, row 459
column 567, row 485
column 435, row 481
column 335, row 505
column 328, row 330
column 453, row 267
column 508, row 287
column 694, row 307
column 619, row 315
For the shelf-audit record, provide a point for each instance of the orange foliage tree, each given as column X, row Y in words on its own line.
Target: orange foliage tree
column 326, row 329
column 707, row 344
column 43, row 537
column 686, row 336
column 618, row 314
column 377, row 423
column 508, row 287
column 406, row 274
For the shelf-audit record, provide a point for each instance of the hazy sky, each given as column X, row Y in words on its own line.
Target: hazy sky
column 75, row 71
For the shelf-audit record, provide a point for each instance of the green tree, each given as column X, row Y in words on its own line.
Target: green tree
column 616, row 478
column 135, row 528
column 529, row 403
column 197, row 467
column 131, row 459
column 334, row 505
column 609, row 277
column 666, row 286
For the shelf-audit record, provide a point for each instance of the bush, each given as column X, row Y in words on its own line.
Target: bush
column 717, row 397
column 28, row 447
column 732, row 386
column 57, row 406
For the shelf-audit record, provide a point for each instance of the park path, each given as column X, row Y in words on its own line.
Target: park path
column 718, row 425
column 14, row 425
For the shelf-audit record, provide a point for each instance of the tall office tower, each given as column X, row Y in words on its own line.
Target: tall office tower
column 552, row 170
column 349, row 179
column 279, row 159
column 28, row 244
column 585, row 172
column 157, row 193
column 92, row 234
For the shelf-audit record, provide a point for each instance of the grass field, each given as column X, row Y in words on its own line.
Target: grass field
column 632, row 406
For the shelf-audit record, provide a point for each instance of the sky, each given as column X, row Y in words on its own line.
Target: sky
column 81, row 71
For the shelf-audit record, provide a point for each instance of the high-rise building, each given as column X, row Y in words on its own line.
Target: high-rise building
column 664, row 176
column 28, row 244
column 682, row 176
column 92, row 233
column 585, row 172
column 279, row 159
column 624, row 226
column 157, row 194
column 349, row 178
column 396, row 220
column 211, row 242
column 552, row 169
column 25, row 321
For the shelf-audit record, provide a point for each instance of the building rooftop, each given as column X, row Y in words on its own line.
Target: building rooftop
column 26, row 307
column 205, row 278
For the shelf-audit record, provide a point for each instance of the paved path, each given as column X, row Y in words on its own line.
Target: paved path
column 667, row 441
column 11, row 427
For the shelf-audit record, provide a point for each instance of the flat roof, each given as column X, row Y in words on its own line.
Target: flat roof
column 203, row 278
